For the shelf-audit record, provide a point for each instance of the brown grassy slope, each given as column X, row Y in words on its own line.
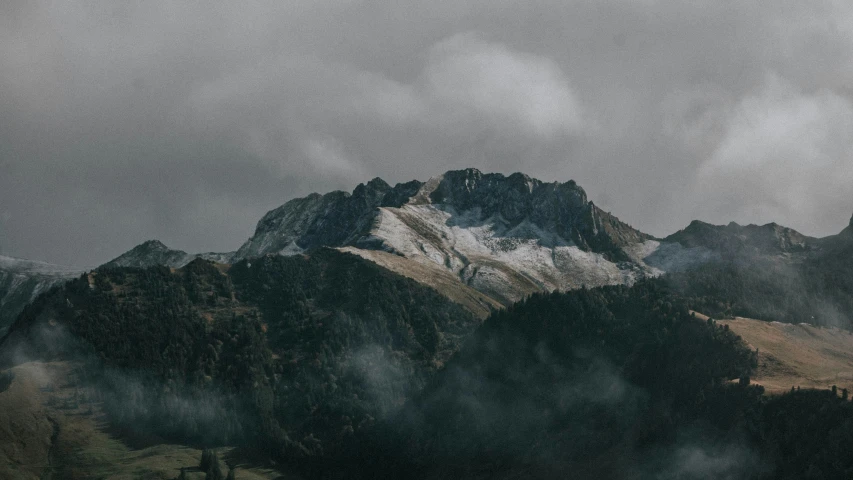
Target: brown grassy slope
column 25, row 428
column 49, row 429
column 797, row 354
column 435, row 277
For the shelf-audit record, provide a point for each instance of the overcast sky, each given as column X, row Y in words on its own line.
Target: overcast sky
column 181, row 121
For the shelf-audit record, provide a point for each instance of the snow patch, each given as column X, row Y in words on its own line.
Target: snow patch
column 492, row 256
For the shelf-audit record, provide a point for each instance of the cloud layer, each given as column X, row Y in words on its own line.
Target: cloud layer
column 186, row 122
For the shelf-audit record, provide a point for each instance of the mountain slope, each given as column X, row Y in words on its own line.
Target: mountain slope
column 21, row 281
column 798, row 355
column 768, row 272
column 505, row 236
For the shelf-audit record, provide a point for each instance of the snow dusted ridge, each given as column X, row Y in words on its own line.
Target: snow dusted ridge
column 504, row 261
column 505, row 236
column 502, row 237
column 154, row 252
column 31, row 267
column 21, row 281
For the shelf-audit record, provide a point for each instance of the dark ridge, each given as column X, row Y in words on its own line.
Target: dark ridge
column 735, row 239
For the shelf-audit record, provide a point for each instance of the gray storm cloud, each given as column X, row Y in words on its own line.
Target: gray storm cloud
column 185, row 122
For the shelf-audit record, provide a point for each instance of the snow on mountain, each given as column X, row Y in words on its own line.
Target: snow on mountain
column 501, row 237
column 154, row 252
column 21, row 281
column 504, row 236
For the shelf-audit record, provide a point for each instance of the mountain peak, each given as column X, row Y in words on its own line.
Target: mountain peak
column 770, row 238
column 493, row 232
column 150, row 253
column 152, row 245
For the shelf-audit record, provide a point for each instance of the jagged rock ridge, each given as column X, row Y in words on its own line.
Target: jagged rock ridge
column 489, row 239
column 505, row 236
column 769, row 239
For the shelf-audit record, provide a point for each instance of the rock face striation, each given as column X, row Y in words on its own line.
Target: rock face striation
column 21, row 281
column 505, row 236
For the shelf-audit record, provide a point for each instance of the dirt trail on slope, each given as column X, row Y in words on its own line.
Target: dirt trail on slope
column 797, row 354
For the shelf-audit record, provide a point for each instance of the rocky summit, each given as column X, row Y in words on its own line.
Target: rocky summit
column 488, row 239
column 505, row 236
column 154, row 252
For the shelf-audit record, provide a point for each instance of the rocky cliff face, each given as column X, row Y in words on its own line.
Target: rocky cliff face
column 334, row 219
column 21, row 281
column 340, row 219
column 501, row 237
column 506, row 236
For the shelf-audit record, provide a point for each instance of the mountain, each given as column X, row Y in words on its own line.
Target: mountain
column 734, row 239
column 154, row 252
column 347, row 339
column 338, row 368
column 768, row 272
column 485, row 240
column 291, row 355
column 504, row 236
column 21, row 281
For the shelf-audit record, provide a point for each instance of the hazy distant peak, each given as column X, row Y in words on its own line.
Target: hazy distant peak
column 21, row 265
column 155, row 252
column 770, row 238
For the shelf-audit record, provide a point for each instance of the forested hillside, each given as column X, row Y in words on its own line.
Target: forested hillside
column 338, row 368
column 292, row 355
column 614, row 382
column 602, row 382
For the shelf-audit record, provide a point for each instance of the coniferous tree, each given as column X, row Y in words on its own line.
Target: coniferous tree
column 214, row 470
column 205, row 459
